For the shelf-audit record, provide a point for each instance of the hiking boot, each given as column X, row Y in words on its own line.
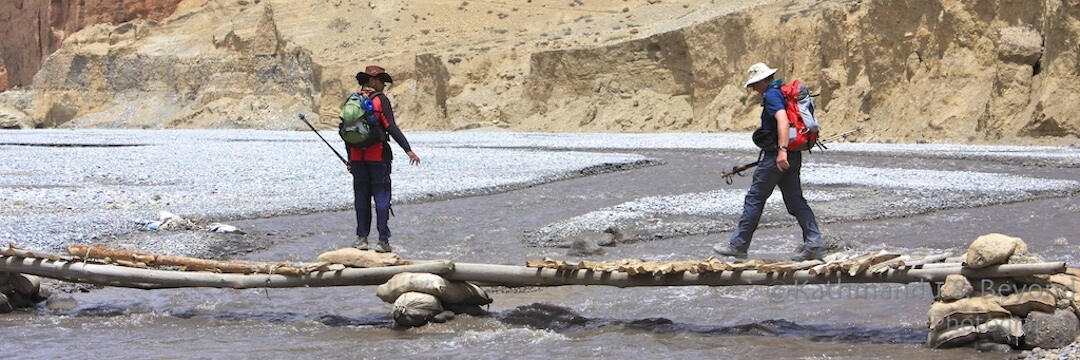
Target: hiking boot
column 362, row 243
column 383, row 247
column 809, row 254
column 728, row 250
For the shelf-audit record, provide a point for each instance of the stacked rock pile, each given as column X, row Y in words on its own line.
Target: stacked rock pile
column 420, row 298
column 20, row 291
column 1002, row 314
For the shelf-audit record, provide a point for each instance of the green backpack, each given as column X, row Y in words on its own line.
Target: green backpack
column 359, row 126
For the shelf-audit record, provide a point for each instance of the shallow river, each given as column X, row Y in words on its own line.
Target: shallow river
column 851, row 321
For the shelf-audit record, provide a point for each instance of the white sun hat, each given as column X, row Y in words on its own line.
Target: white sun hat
column 758, row 72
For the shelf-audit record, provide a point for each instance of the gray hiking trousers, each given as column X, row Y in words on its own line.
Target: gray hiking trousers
column 766, row 178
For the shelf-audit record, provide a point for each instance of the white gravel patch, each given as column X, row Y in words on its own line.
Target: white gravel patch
column 728, row 141
column 62, row 186
column 644, row 214
column 919, row 191
column 920, row 179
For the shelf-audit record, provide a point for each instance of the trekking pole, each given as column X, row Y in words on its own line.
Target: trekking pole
column 843, row 134
column 737, row 170
column 302, row 118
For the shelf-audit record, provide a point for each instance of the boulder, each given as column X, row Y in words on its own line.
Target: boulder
column 991, row 249
column 1050, row 330
column 1020, row 45
column 359, row 258
column 5, row 305
column 444, row 316
column 584, row 246
column 61, row 302
column 12, row 118
column 956, row 287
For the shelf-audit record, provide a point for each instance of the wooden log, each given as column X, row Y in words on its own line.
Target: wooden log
column 886, row 265
column 509, row 275
column 802, row 265
column 506, row 275
column 927, row 260
column 939, row 265
column 125, row 257
column 871, row 261
column 956, row 259
column 113, row 275
column 747, row 265
column 828, row 267
column 14, row 251
column 770, row 267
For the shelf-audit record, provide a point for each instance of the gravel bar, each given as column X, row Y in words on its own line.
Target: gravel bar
column 64, row 186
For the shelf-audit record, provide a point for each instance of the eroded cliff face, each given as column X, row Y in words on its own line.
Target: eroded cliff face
column 979, row 71
column 34, row 29
column 908, row 70
column 237, row 73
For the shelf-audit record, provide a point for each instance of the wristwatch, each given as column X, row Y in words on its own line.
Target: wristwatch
column 784, row 148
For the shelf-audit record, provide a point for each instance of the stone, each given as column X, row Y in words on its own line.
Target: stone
column 956, row 287
column 611, row 236
column 5, row 305
column 584, row 246
column 61, row 302
column 12, row 118
column 444, row 316
column 991, row 249
column 990, row 346
column 1020, row 45
column 1050, row 330
column 354, row 257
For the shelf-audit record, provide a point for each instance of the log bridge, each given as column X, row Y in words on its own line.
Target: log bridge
column 122, row 268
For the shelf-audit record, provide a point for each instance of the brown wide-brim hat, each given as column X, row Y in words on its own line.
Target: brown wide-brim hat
column 373, row 71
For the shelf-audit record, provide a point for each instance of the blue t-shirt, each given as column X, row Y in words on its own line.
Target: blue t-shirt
column 772, row 102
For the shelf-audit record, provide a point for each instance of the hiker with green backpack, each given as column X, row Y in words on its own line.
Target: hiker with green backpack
column 366, row 119
column 780, row 166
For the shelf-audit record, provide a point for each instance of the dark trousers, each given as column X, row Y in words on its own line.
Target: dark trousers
column 766, row 178
column 371, row 180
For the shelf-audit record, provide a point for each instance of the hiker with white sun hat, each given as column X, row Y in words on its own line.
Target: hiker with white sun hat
column 778, row 167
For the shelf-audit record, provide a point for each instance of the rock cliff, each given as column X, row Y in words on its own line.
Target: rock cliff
column 237, row 73
column 34, row 29
column 979, row 71
column 908, row 70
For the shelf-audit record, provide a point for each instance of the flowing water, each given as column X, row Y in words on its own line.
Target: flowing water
column 740, row 322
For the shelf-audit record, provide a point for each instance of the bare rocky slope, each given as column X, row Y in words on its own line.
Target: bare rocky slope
column 34, row 29
column 982, row 71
